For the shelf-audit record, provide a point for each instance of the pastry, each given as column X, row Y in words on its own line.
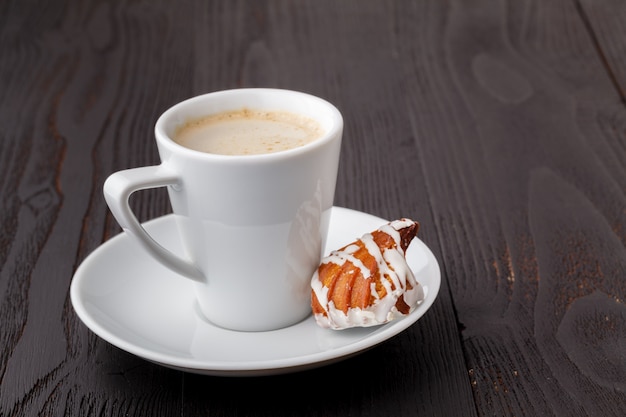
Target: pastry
column 368, row 281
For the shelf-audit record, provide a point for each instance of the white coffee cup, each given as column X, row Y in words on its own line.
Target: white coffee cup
column 253, row 226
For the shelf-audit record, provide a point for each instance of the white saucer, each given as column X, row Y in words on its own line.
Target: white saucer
column 136, row 304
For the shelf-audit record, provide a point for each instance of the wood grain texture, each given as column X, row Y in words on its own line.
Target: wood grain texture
column 500, row 126
column 605, row 23
column 72, row 73
column 524, row 184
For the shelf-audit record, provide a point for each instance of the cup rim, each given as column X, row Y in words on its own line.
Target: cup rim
column 163, row 138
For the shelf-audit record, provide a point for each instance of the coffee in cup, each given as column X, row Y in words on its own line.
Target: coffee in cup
column 248, row 132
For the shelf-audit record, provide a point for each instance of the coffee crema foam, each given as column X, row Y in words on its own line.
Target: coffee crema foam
column 248, row 132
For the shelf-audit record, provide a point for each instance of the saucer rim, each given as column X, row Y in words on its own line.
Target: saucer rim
column 274, row 366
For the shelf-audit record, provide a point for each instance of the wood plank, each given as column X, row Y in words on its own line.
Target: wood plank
column 604, row 20
column 507, row 124
column 77, row 107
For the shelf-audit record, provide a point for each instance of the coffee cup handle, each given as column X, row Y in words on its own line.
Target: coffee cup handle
column 117, row 189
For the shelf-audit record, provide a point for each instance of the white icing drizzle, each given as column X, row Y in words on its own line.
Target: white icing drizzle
column 339, row 257
column 395, row 276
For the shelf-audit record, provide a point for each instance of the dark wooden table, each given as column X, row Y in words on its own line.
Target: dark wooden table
column 499, row 125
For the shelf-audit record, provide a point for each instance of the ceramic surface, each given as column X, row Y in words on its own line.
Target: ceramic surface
column 138, row 305
column 273, row 207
